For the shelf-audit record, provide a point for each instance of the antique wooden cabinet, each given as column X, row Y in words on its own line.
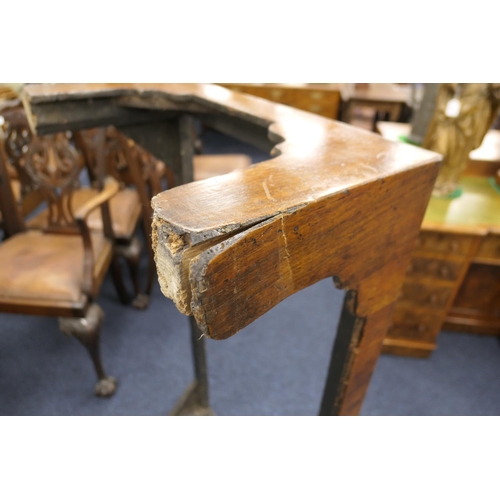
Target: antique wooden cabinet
column 453, row 280
column 321, row 99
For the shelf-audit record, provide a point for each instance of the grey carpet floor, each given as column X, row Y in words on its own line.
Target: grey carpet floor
column 275, row 366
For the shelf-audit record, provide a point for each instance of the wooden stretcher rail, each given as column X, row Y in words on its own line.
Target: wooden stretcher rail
column 333, row 201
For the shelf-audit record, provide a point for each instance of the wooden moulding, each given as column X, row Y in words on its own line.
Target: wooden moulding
column 334, row 201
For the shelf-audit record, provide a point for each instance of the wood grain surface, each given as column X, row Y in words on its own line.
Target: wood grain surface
column 333, row 201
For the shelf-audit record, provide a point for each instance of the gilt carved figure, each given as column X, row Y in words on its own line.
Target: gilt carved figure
column 464, row 113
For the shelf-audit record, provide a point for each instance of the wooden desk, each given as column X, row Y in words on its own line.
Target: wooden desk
column 333, row 201
column 384, row 97
column 453, row 281
column 321, row 99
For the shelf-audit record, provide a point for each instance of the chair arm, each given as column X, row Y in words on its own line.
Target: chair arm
column 111, row 187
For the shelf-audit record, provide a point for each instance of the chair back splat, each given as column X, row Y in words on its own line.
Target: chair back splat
column 334, row 201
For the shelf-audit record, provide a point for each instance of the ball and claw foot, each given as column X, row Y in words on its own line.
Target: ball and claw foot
column 106, row 387
column 141, row 301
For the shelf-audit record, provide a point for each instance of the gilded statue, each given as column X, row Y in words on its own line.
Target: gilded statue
column 464, row 113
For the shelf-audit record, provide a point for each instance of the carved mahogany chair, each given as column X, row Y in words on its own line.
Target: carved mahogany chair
column 140, row 176
column 335, row 201
column 17, row 137
column 57, row 271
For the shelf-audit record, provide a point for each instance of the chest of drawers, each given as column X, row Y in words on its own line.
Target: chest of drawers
column 453, row 280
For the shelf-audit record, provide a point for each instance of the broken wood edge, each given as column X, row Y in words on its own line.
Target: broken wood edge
column 179, row 255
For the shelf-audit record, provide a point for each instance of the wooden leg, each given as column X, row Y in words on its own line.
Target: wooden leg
column 355, row 354
column 195, row 401
column 87, row 331
column 131, row 252
column 116, row 274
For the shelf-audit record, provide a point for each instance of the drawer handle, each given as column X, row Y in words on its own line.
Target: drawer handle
column 454, row 246
column 444, row 272
column 421, row 328
column 433, row 299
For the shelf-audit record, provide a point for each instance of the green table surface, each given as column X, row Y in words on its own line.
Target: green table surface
column 476, row 211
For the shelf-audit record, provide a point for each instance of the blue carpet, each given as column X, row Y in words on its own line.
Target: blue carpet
column 275, row 366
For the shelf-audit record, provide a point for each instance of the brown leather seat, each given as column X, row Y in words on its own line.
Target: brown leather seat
column 47, row 267
column 125, row 211
column 206, row 166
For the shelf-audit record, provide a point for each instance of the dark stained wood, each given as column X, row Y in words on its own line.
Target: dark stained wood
column 337, row 201
column 14, row 223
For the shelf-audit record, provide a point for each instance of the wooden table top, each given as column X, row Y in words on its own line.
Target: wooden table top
column 317, row 160
column 334, row 201
column 476, row 211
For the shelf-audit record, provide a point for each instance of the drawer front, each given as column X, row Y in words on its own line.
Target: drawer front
column 408, row 323
column 490, row 248
column 417, row 332
column 437, row 269
column 428, row 296
column 447, row 244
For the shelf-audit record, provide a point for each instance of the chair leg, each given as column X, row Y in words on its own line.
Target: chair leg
column 116, row 275
column 132, row 254
column 87, row 331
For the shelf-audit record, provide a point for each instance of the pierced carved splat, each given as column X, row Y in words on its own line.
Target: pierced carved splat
column 53, row 166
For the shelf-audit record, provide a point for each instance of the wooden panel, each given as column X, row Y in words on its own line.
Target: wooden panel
column 421, row 324
column 322, row 100
column 480, row 292
column 406, row 347
column 435, row 242
column 427, row 296
column 489, row 250
column 434, row 269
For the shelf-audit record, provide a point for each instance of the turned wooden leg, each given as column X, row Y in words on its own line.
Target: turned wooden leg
column 131, row 252
column 87, row 331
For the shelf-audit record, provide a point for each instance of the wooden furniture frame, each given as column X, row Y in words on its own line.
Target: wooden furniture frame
column 453, row 281
column 321, row 99
column 335, row 201
column 29, row 257
column 137, row 172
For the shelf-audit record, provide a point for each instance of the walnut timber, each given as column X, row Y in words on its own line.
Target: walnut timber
column 334, row 201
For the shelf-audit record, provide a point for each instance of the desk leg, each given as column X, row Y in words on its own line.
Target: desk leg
column 355, row 353
column 194, row 401
column 172, row 141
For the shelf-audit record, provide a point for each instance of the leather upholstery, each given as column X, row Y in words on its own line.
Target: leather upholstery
column 125, row 211
column 46, row 267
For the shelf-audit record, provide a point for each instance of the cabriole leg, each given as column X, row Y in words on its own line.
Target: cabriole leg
column 87, row 331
